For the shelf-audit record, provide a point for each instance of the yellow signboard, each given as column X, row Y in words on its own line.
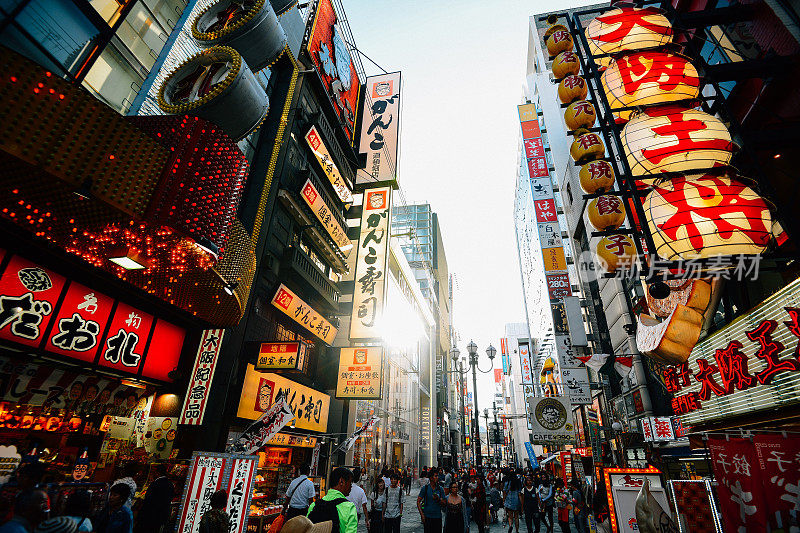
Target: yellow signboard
column 297, row 441
column 314, row 141
column 302, row 313
column 554, row 259
column 323, row 213
column 527, row 112
column 260, row 389
column 282, row 356
column 360, row 373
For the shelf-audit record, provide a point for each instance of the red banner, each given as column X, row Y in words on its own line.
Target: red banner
column 779, row 459
column 740, row 490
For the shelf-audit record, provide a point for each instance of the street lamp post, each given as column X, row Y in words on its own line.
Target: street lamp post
column 472, row 348
column 489, row 451
column 497, row 429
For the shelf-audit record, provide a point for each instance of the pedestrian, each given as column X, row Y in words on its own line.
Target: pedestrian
column 511, row 491
column 579, row 509
column 562, row 500
column 385, row 477
column 299, row 494
column 407, row 480
column 335, row 506
column 78, row 508
column 430, row 501
column 466, row 492
column 378, row 506
column 546, row 502
column 478, row 505
column 117, row 517
column 393, row 511
column 495, row 501
column 59, row 524
column 358, row 497
column 128, row 471
column 530, row 505
column 155, row 511
column 456, row 511
column 30, row 509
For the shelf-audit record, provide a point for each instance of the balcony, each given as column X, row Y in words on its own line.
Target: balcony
column 297, row 265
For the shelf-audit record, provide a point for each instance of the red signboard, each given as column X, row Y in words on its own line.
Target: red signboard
column 164, row 351
column 127, row 339
column 534, row 147
column 80, row 323
column 739, row 485
column 545, row 210
column 537, row 167
column 28, row 296
column 558, row 286
column 530, row 129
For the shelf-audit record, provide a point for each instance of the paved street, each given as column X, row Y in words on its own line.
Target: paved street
column 412, row 524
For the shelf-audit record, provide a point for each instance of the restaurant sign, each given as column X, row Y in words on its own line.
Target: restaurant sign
column 194, row 405
column 360, row 373
column 282, row 356
column 322, row 211
column 325, row 160
column 750, row 365
column 380, row 128
column 302, row 313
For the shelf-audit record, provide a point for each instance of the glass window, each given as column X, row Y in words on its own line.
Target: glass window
column 142, row 35
column 60, row 28
column 109, row 9
column 16, row 40
column 9, row 5
column 167, row 12
column 114, row 79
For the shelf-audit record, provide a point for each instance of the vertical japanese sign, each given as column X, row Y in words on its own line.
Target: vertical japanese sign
column 80, row 323
column 328, row 166
column 295, row 308
column 240, row 491
column 360, row 373
column 315, row 458
column 380, row 128
column 371, row 263
column 531, row 455
column 779, row 459
column 504, row 354
column 322, row 211
column 525, row 364
column 740, row 487
column 204, row 479
column 194, row 405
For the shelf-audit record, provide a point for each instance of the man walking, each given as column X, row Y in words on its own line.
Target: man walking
column 430, row 501
column 393, row 512
column 335, row 506
column 359, row 497
column 300, row 494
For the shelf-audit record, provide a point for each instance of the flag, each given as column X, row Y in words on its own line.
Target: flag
column 623, row 364
column 263, row 429
column 596, row 361
column 351, row 440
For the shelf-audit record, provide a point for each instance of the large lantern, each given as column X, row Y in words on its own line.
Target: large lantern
column 572, row 88
column 579, row 114
column 596, row 176
column 566, row 63
column 216, row 85
column 627, row 28
column 250, row 27
column 675, row 139
column 587, row 146
column 559, row 41
column 606, row 212
column 647, row 78
column 706, row 216
column 616, row 251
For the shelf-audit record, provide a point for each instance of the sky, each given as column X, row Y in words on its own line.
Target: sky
column 463, row 71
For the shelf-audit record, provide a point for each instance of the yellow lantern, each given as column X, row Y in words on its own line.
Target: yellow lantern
column 553, row 27
column 572, row 88
column 627, row 28
column 616, row 251
column 566, row 63
column 647, row 78
column 606, row 212
column 596, row 176
column 559, row 41
column 675, row 139
column 579, row 114
column 587, row 146
column 706, row 216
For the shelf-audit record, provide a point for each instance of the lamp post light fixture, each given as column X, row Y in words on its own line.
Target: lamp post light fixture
column 472, row 348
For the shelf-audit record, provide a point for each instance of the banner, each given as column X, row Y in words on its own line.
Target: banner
column 551, row 419
column 315, row 459
column 240, row 491
column 360, row 373
column 779, row 460
column 531, row 455
column 204, row 479
column 380, row 128
column 525, row 364
column 258, row 433
column 351, row 440
column 205, row 364
column 740, row 487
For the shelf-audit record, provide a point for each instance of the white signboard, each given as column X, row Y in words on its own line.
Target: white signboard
column 549, row 234
column 551, row 420
column 380, row 128
column 525, row 364
column 121, row 427
column 330, row 169
column 575, row 382
column 371, row 265
column 194, row 405
column 566, row 353
column 204, row 479
column 240, row 490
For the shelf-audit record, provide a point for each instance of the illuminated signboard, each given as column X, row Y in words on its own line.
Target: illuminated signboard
column 260, row 389
column 380, row 128
column 525, row 364
column 360, row 373
column 325, row 160
column 83, row 326
column 205, row 365
column 750, row 365
column 302, row 313
column 322, row 211
column 297, row 441
column 551, row 419
column 627, row 28
column 282, row 356
column 331, row 56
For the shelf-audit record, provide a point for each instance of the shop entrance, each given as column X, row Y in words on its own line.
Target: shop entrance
column 397, row 454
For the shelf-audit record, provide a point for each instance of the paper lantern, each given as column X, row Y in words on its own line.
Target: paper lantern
column 218, row 86
column 252, row 29
column 706, row 216
column 579, row 114
column 616, row 251
column 606, row 212
column 566, row 63
column 587, row 146
column 627, row 28
column 554, row 27
column 675, row 139
column 648, row 78
column 572, row 88
column 559, row 41
column 596, row 176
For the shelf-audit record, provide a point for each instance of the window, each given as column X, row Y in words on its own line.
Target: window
column 113, row 79
column 167, row 12
column 142, row 35
column 110, row 10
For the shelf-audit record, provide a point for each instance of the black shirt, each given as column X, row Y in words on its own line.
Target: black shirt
column 530, row 498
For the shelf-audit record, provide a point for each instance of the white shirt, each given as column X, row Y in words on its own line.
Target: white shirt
column 301, row 489
column 394, row 497
column 387, row 481
column 358, row 497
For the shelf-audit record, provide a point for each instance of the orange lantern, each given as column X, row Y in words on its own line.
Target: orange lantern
column 559, row 41
column 579, row 114
column 596, row 176
column 572, row 88
column 627, row 28
column 566, row 63
column 647, row 78
column 707, row 216
column 606, row 212
column 616, row 251
column 675, row 139
column 587, row 146
column 552, row 19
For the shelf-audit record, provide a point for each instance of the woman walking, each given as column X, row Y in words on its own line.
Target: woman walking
column 563, row 499
column 546, row 501
column 378, row 499
column 455, row 515
column 511, row 491
column 478, row 505
column 529, row 497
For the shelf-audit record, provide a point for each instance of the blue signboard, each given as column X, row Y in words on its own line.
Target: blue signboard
column 531, row 455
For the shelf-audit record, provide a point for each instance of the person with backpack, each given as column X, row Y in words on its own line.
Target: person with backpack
column 430, row 501
column 393, row 511
column 378, row 499
column 299, row 494
column 335, row 506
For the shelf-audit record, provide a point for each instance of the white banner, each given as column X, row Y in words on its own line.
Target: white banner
column 204, row 479
column 346, row 445
column 575, row 382
column 194, row 405
column 315, row 459
column 259, row 432
column 240, row 490
column 380, row 128
column 551, row 420
column 525, row 364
